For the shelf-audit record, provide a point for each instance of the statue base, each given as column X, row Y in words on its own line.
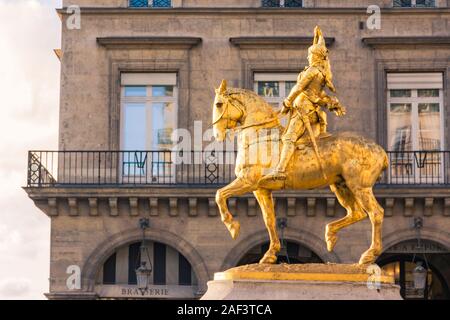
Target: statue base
column 301, row 282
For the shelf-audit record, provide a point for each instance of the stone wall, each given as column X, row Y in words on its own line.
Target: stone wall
column 244, row 3
column 87, row 102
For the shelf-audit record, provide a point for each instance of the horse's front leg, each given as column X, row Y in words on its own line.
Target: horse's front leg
column 235, row 188
column 266, row 203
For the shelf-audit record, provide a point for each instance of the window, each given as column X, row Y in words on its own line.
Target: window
column 415, row 103
column 274, row 87
column 170, row 267
column 415, row 3
column 282, row 3
column 415, row 124
column 150, row 3
column 149, row 117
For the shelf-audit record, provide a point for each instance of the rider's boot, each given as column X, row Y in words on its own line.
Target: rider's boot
column 286, row 154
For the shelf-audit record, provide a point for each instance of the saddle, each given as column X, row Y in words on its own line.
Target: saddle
column 305, row 140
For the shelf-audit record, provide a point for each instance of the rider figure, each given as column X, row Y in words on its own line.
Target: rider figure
column 305, row 100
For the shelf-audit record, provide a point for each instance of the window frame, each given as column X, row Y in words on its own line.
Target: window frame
column 406, row 165
column 147, row 101
column 414, row 100
column 154, row 170
column 414, row 5
column 150, row 5
column 282, row 4
column 288, row 77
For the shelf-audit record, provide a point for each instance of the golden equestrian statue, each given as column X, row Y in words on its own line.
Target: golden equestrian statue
column 310, row 157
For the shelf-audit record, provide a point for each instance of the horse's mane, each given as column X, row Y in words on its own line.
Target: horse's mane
column 253, row 99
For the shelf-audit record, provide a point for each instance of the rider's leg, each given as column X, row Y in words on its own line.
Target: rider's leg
column 286, row 155
column 294, row 131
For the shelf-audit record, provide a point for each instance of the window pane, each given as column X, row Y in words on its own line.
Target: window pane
column 162, row 125
column 134, row 139
column 269, row 89
column 425, row 3
column 135, row 127
column 429, row 126
column 424, row 93
column 162, row 91
column 138, row 3
column 400, row 93
column 270, row 3
column 289, row 86
column 162, row 128
column 402, row 3
column 140, row 91
column 161, row 3
column 293, row 3
column 400, row 127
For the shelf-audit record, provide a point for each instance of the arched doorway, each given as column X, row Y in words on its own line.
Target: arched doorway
column 401, row 259
column 291, row 252
column 172, row 277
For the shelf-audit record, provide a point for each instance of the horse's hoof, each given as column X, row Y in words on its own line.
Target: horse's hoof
column 268, row 259
column 368, row 258
column 234, row 228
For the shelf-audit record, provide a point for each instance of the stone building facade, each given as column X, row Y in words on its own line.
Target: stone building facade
column 130, row 72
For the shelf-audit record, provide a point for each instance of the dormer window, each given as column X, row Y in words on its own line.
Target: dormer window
column 414, row 3
column 282, row 3
column 150, row 3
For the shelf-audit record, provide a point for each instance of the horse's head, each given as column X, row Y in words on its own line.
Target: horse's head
column 226, row 112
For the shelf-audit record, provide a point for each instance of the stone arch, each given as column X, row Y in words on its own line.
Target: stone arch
column 426, row 233
column 438, row 236
column 103, row 251
column 302, row 237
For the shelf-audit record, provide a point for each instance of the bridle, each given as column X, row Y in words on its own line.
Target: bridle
column 225, row 110
column 243, row 114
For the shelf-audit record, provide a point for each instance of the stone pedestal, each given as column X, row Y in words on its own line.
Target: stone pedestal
column 302, row 282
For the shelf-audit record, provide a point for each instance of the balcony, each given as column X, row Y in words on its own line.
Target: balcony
column 200, row 169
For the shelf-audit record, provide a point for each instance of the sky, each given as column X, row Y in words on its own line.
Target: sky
column 29, row 87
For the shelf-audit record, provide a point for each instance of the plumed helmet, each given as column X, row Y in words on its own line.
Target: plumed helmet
column 319, row 47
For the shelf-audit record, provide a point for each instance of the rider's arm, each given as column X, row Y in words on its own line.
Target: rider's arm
column 302, row 83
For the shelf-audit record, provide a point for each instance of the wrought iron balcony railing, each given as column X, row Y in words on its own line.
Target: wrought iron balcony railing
column 197, row 168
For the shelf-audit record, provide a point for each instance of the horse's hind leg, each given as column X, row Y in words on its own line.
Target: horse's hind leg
column 235, row 188
column 265, row 201
column 354, row 213
column 369, row 203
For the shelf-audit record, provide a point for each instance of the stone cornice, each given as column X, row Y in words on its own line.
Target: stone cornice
column 401, row 41
column 258, row 11
column 268, row 42
column 188, row 192
column 145, row 42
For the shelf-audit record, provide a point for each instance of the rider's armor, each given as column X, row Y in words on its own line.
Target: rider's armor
column 305, row 101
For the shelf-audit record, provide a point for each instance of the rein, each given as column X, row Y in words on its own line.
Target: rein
column 241, row 110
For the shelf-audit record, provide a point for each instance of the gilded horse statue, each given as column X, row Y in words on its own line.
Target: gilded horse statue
column 351, row 166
